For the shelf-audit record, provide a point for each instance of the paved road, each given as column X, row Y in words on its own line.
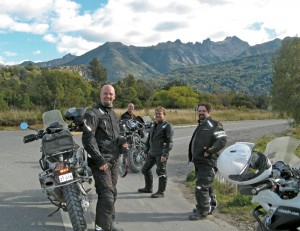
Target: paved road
column 24, row 207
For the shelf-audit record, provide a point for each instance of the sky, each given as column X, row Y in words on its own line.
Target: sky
column 43, row 30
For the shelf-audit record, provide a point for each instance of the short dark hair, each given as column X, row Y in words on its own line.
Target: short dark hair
column 206, row 105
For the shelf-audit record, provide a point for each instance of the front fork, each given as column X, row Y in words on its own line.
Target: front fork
column 257, row 213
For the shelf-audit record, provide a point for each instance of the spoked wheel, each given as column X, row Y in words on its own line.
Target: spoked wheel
column 136, row 155
column 123, row 166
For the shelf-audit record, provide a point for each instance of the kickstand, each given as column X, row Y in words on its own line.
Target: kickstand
column 50, row 215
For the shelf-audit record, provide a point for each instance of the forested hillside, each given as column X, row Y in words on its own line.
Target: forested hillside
column 250, row 74
column 147, row 63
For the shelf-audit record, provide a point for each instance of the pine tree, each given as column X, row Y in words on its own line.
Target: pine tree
column 97, row 72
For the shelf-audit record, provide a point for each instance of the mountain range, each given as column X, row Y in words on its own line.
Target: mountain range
column 231, row 64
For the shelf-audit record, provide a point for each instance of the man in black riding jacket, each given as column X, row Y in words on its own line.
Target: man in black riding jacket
column 158, row 145
column 103, row 144
column 129, row 114
column 207, row 140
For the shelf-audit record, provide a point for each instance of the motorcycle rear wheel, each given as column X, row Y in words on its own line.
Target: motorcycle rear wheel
column 73, row 202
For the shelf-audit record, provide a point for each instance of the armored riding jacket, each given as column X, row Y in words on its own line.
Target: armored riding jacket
column 209, row 137
column 160, row 139
column 101, row 140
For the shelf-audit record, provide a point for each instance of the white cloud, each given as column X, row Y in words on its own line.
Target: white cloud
column 50, row 38
column 37, row 52
column 9, row 53
column 148, row 22
column 75, row 45
column 7, row 23
column 25, row 10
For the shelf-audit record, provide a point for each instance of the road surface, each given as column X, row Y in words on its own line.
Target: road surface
column 24, row 207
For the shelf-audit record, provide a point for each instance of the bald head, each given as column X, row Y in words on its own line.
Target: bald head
column 130, row 108
column 107, row 95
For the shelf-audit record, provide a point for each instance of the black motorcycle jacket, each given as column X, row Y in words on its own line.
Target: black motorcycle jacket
column 127, row 116
column 209, row 137
column 160, row 139
column 101, row 139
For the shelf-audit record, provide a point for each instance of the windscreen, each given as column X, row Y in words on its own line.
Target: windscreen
column 52, row 116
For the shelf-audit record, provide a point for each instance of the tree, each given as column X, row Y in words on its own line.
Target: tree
column 241, row 101
column 176, row 97
column 97, row 72
column 286, row 79
column 59, row 88
column 174, row 83
column 139, row 92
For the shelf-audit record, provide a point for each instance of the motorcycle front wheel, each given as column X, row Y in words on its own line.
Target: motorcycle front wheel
column 73, row 203
column 122, row 165
column 136, row 161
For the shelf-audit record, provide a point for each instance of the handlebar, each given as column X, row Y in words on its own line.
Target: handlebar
column 30, row 138
column 262, row 187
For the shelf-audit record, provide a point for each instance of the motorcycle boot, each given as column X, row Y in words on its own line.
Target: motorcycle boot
column 114, row 228
column 197, row 216
column 148, row 185
column 145, row 190
column 162, row 183
column 158, row 194
column 213, row 204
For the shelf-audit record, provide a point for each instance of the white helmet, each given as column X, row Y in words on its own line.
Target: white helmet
column 236, row 160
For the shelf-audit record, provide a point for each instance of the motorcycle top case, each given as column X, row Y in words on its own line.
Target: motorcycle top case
column 57, row 142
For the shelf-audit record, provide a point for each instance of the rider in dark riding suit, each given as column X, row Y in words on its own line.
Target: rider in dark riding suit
column 207, row 140
column 158, row 145
column 102, row 142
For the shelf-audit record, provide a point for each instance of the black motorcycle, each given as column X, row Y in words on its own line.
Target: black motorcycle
column 134, row 132
column 64, row 164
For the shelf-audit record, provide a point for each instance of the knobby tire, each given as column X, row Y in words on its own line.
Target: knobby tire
column 73, row 202
column 135, row 149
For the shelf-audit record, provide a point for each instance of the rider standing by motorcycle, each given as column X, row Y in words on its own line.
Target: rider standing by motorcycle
column 129, row 114
column 158, row 145
column 207, row 140
column 101, row 140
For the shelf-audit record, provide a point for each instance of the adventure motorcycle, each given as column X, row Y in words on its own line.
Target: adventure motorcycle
column 133, row 131
column 64, row 164
column 272, row 178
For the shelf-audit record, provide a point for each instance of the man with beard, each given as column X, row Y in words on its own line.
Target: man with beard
column 103, row 143
column 208, row 139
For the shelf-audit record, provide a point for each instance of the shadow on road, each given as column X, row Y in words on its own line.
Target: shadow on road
column 151, row 217
column 26, row 211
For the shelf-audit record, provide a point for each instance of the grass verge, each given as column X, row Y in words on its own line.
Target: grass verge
column 10, row 120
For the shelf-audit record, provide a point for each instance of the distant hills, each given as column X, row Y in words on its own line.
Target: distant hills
column 228, row 65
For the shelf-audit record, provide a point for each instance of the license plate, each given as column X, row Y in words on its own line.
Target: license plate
column 65, row 177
